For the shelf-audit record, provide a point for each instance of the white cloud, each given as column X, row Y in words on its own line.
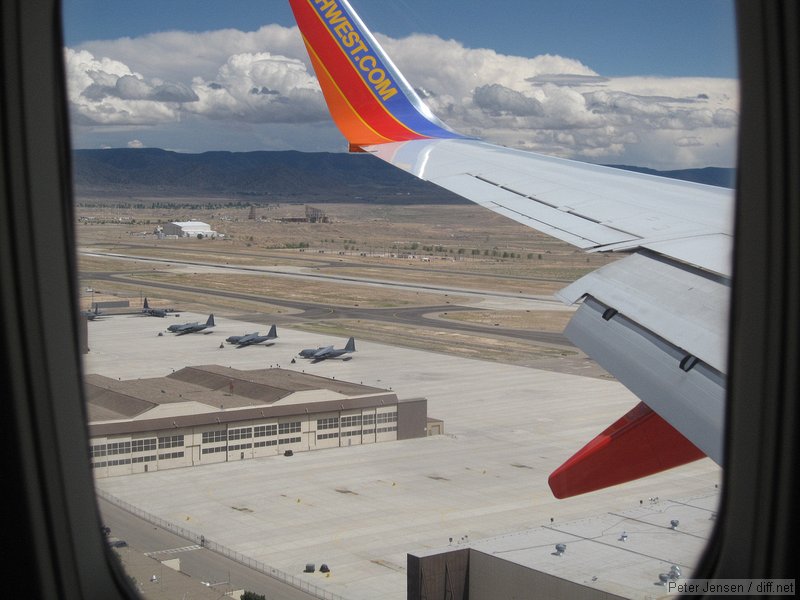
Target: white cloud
column 182, row 56
column 135, row 144
column 105, row 91
column 548, row 103
column 497, row 100
column 260, row 87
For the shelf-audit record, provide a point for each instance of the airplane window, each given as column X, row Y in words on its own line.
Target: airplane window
column 489, row 338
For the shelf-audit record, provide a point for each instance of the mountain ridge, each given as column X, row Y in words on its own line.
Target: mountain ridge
column 269, row 176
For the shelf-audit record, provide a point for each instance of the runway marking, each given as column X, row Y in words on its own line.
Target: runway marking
column 174, row 550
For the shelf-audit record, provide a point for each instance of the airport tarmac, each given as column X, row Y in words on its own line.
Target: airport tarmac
column 506, row 300
column 361, row 509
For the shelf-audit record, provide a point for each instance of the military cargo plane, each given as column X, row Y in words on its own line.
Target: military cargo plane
column 195, row 327
column 153, row 312
column 323, row 352
column 250, row 339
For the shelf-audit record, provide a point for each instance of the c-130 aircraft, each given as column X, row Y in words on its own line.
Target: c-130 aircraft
column 325, row 352
column 195, row 327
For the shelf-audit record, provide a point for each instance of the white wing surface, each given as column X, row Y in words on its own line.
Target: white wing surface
column 667, row 337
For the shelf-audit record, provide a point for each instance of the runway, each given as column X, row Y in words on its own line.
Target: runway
column 415, row 316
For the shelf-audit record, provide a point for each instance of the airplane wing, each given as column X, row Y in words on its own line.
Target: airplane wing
column 656, row 319
column 250, row 342
column 322, row 352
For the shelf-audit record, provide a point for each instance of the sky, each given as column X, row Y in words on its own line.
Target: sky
column 641, row 82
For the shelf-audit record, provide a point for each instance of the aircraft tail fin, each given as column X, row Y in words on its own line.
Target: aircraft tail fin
column 273, row 332
column 210, row 322
column 146, row 306
column 369, row 99
column 351, row 345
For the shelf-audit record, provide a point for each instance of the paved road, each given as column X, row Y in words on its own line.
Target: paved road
column 199, row 563
column 336, row 278
column 326, row 262
column 311, row 311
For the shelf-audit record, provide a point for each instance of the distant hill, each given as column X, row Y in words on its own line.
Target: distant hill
column 249, row 176
column 274, row 176
column 719, row 176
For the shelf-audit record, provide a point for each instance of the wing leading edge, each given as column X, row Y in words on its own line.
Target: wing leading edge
column 656, row 320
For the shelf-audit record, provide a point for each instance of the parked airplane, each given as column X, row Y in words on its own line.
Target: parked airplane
column 250, row 339
column 153, row 312
column 235, row 339
column 656, row 319
column 325, row 352
column 195, row 327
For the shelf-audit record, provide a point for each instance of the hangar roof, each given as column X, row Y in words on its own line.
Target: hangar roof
column 211, row 393
column 192, row 224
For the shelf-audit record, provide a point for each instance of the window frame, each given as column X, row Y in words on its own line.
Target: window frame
column 57, row 523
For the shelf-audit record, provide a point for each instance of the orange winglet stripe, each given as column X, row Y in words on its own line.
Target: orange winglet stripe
column 366, row 94
column 342, row 69
column 640, row 443
column 347, row 119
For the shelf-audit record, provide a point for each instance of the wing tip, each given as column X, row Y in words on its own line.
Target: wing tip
column 368, row 97
column 639, row 444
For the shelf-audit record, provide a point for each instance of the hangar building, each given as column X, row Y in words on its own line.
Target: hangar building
column 645, row 551
column 209, row 414
column 188, row 229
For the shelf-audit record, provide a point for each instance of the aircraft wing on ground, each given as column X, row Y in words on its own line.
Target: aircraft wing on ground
column 656, row 319
column 241, row 339
column 322, row 353
column 309, row 352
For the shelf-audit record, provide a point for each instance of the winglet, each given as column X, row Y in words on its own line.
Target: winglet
column 369, row 99
column 638, row 444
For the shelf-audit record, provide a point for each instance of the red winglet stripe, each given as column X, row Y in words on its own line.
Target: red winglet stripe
column 342, row 70
column 347, row 119
column 640, row 443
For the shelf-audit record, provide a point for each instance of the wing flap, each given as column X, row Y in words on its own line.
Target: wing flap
column 683, row 305
column 681, row 388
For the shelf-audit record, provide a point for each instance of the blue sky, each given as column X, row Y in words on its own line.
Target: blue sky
column 615, row 38
column 664, row 90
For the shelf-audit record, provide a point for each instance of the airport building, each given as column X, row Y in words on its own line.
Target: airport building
column 188, row 229
column 210, row 414
column 641, row 552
